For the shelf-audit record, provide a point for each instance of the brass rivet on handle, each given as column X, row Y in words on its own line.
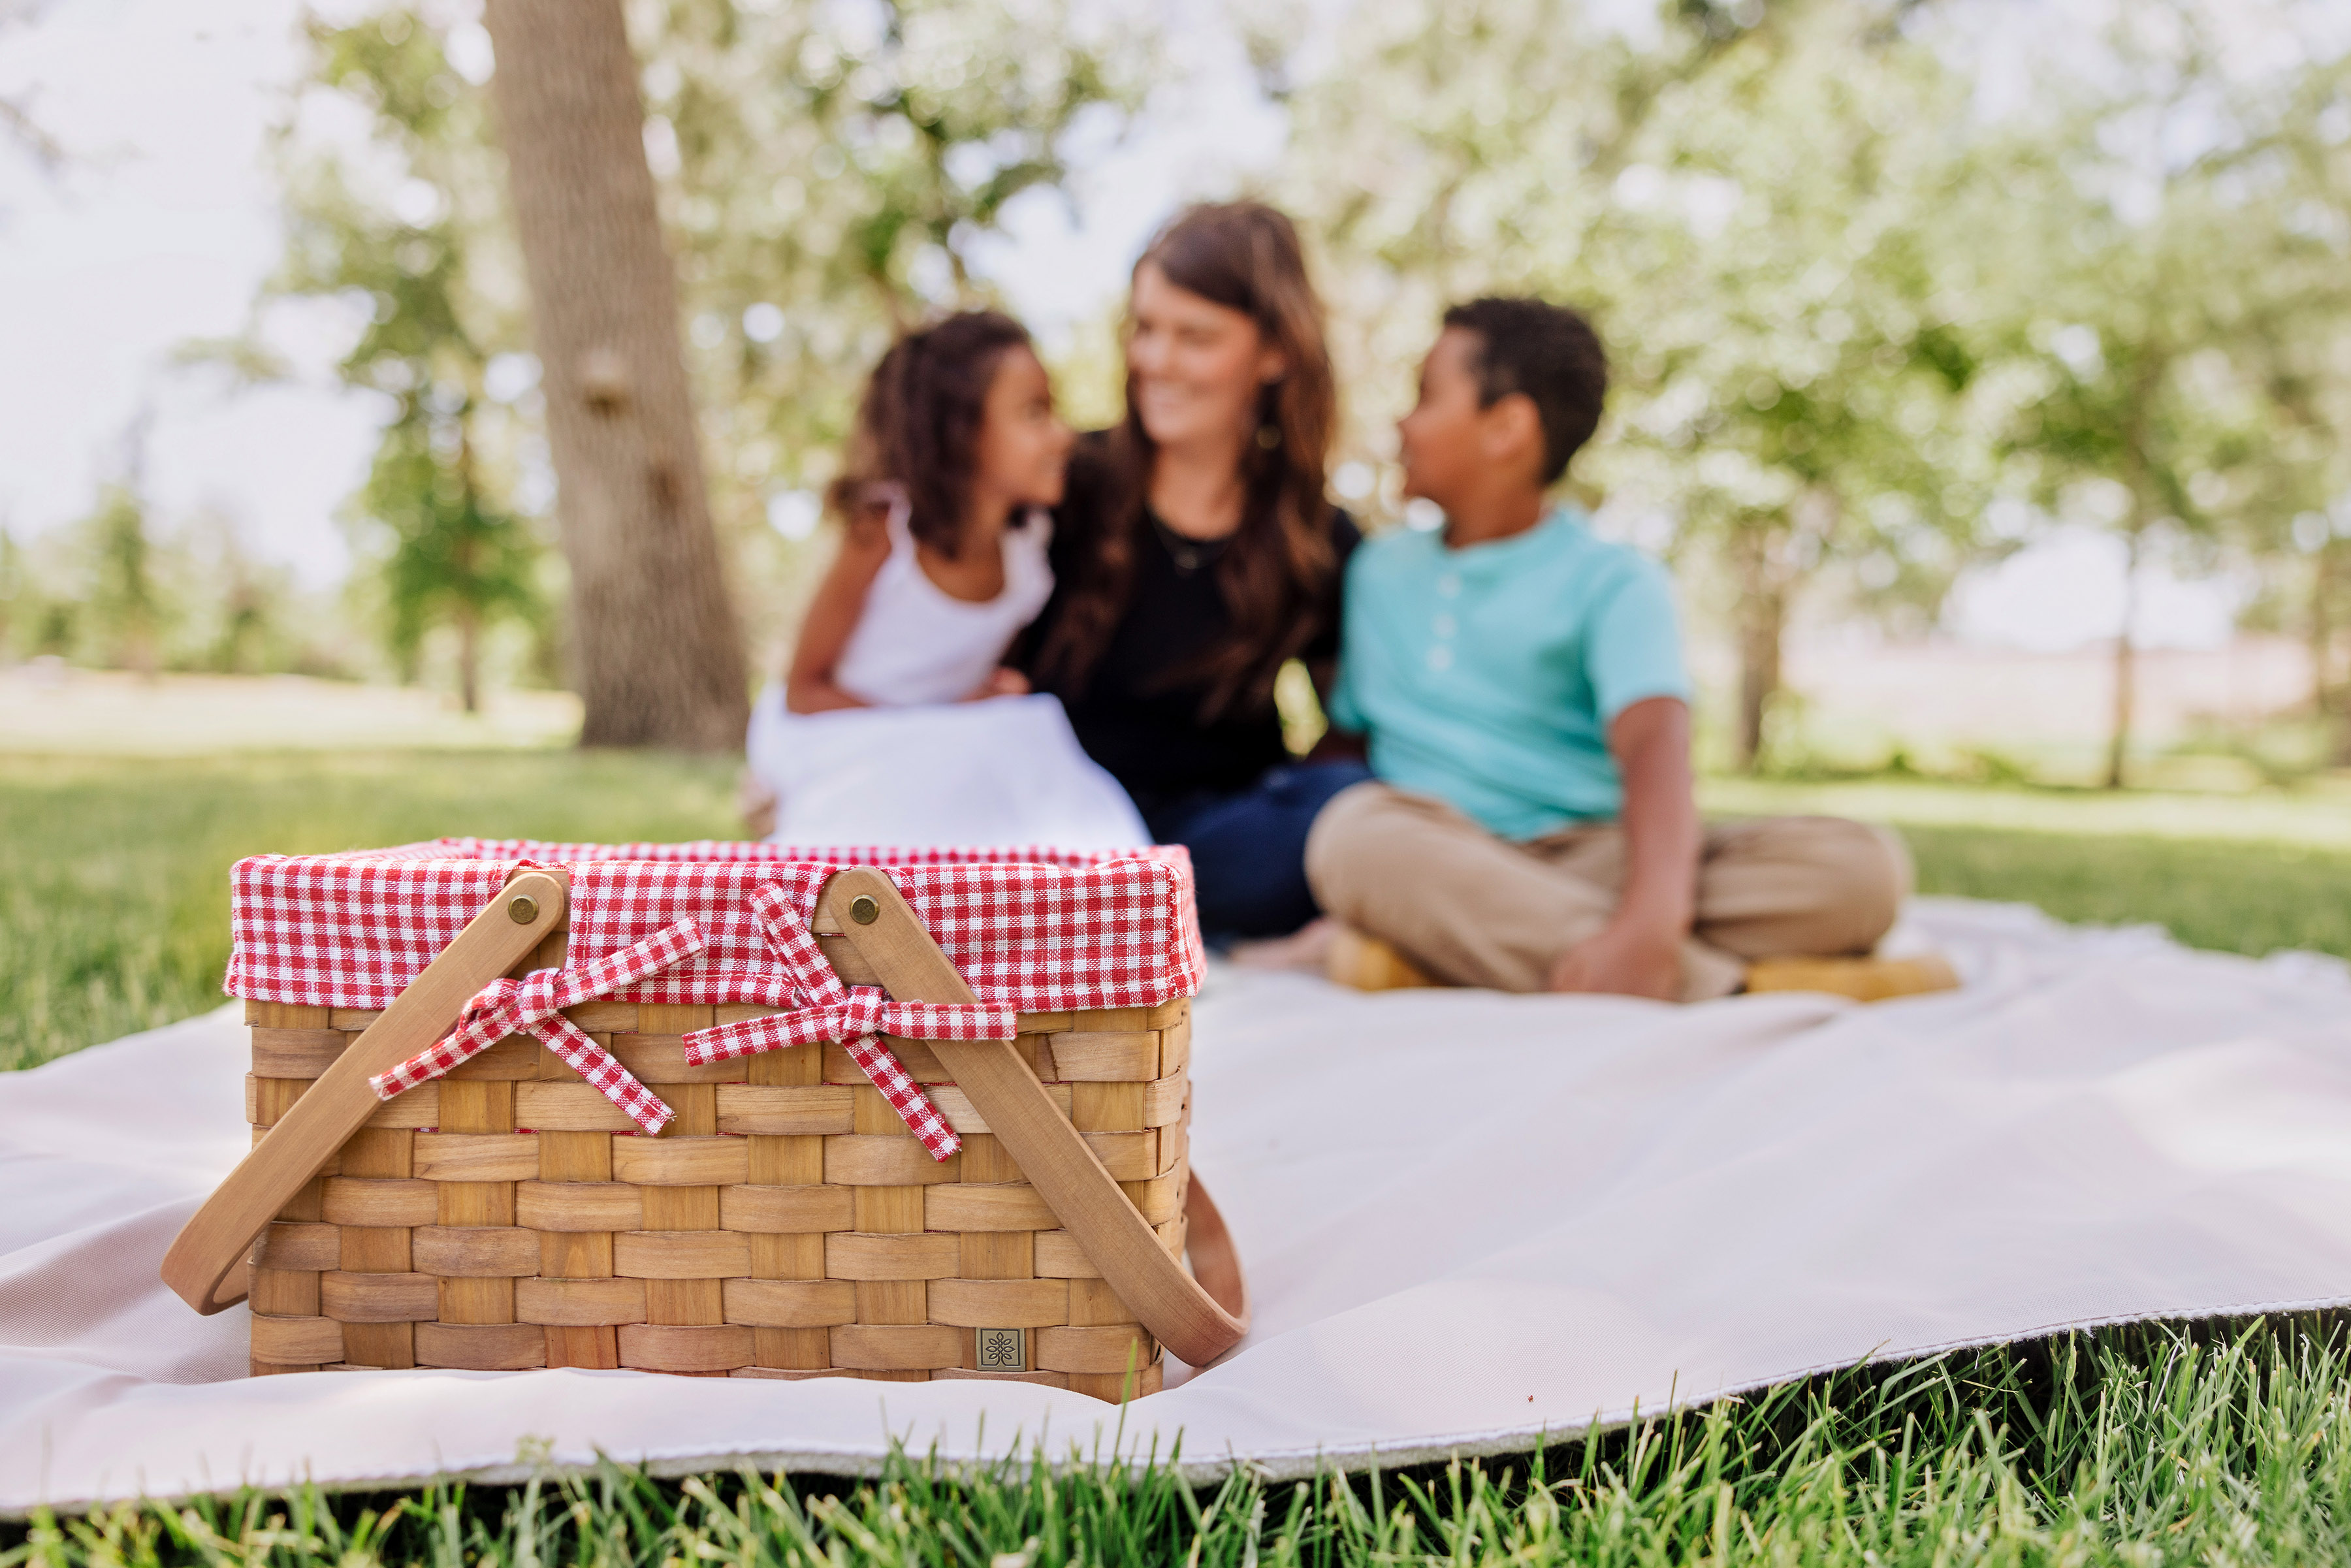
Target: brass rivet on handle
column 523, row 908
column 863, row 910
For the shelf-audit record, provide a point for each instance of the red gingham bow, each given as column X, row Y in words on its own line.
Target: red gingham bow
column 533, row 1006
column 855, row 1016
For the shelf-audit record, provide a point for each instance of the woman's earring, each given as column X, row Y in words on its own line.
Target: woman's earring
column 1269, row 435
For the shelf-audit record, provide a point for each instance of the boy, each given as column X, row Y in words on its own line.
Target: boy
column 1520, row 684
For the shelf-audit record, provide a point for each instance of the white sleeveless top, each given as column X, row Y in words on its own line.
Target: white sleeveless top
column 915, row 643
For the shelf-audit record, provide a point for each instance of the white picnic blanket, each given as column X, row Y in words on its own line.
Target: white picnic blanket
column 1005, row 771
column 1469, row 1220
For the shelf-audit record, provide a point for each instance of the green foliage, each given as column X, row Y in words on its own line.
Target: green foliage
column 827, row 173
column 1851, row 307
column 837, row 171
column 1758, row 209
column 2162, row 363
column 124, row 598
column 414, row 234
column 20, row 603
column 116, row 591
column 446, row 557
column 2127, row 1446
column 243, row 616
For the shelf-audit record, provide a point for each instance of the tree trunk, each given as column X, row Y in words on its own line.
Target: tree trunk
column 2126, row 660
column 655, row 649
column 1762, row 619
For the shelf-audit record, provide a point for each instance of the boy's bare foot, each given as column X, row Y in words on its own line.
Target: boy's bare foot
column 1365, row 962
column 1863, row 979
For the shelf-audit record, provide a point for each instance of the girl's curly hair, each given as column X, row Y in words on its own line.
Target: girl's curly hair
column 918, row 424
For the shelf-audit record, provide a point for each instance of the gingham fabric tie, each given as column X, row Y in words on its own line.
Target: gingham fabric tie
column 854, row 1016
column 534, row 1006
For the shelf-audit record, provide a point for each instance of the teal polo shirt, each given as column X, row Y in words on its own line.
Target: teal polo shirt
column 1487, row 676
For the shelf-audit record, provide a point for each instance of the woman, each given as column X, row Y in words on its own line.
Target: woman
column 1195, row 553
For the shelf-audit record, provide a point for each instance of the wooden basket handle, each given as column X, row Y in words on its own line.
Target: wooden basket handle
column 1199, row 1319
column 205, row 1264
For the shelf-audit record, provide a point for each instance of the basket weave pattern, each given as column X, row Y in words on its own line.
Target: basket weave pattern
column 785, row 1225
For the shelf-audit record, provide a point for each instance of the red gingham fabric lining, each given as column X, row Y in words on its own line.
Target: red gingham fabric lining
column 334, row 931
column 1032, row 930
column 854, row 1015
column 533, row 1005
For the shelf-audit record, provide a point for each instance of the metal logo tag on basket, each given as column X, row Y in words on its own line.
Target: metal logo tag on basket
column 721, row 1109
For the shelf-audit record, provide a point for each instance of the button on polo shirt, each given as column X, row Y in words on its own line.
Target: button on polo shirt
column 1487, row 676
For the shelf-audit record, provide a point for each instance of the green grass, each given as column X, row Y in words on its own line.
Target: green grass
column 2141, row 1447
column 2314, row 815
column 114, row 873
column 2131, row 1447
column 2240, row 874
column 2240, row 898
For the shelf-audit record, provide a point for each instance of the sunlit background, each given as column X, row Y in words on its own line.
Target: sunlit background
column 1952, row 340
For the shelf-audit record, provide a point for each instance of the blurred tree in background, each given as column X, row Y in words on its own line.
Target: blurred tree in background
column 1851, row 308
column 394, row 226
column 125, row 601
column 17, row 594
column 1892, row 287
column 658, row 659
column 114, row 590
column 826, row 176
column 444, row 555
column 19, row 127
column 1756, row 205
column 2181, row 315
column 830, row 175
column 1798, row 350
column 404, row 221
column 2290, row 496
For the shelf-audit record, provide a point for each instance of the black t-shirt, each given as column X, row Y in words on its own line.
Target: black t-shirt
column 1146, row 731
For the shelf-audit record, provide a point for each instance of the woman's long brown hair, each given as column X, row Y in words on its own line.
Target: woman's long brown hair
column 1244, row 256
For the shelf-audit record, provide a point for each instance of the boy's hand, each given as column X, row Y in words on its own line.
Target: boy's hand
column 1638, row 952
column 1624, row 959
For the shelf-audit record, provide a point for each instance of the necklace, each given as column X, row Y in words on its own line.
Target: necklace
column 1188, row 554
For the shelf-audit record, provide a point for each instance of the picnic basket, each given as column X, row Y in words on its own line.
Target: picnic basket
column 719, row 1110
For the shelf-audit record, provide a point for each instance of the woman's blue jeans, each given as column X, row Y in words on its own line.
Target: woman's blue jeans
column 1249, row 847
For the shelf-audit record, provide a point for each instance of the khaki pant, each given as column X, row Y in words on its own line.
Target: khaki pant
column 1478, row 910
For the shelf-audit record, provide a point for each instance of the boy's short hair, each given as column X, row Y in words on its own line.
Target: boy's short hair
column 1547, row 351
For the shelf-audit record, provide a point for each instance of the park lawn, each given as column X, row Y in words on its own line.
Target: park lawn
column 114, row 872
column 2240, row 874
column 2131, row 1447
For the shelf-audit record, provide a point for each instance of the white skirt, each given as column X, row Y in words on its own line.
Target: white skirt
column 1005, row 771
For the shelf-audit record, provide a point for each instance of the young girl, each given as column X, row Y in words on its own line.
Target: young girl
column 896, row 723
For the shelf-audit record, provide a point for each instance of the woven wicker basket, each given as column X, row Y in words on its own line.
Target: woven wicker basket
column 785, row 1224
